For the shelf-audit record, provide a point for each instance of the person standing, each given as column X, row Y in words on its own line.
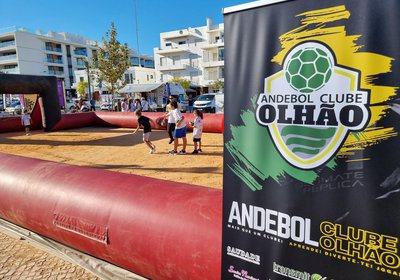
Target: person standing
column 180, row 129
column 145, row 105
column 124, row 106
column 197, row 125
column 191, row 103
column 26, row 121
column 145, row 123
column 171, row 120
column 92, row 104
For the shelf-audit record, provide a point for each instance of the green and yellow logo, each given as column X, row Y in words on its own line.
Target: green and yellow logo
column 311, row 105
column 323, row 106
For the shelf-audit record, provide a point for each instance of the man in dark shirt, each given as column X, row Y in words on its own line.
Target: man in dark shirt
column 145, row 123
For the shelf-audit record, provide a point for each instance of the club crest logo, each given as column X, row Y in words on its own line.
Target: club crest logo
column 311, row 105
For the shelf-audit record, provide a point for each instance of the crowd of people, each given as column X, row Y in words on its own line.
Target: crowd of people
column 132, row 105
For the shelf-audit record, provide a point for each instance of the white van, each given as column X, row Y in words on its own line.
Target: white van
column 210, row 102
column 177, row 91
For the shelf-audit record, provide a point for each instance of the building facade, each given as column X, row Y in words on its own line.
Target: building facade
column 60, row 54
column 134, row 75
column 196, row 54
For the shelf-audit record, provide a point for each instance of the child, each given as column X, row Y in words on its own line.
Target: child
column 145, row 123
column 26, row 121
column 197, row 125
column 180, row 129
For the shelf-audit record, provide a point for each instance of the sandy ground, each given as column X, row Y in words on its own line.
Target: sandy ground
column 105, row 148
column 117, row 149
column 19, row 260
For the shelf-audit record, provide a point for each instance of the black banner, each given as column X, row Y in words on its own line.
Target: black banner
column 312, row 160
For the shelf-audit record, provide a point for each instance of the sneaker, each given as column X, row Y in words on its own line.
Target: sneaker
column 183, row 152
column 173, row 152
column 195, row 152
column 199, row 150
column 170, row 141
column 153, row 149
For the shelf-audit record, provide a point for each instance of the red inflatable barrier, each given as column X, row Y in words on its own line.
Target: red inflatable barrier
column 76, row 120
column 11, row 124
column 155, row 228
column 211, row 122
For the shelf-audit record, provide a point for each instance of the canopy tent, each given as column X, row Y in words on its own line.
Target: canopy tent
column 154, row 93
column 133, row 88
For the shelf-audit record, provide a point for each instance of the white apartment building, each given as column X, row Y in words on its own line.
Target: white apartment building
column 134, row 75
column 195, row 53
column 59, row 54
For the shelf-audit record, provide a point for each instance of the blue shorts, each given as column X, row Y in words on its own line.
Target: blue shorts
column 179, row 133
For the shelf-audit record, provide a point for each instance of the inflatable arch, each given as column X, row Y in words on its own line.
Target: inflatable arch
column 44, row 86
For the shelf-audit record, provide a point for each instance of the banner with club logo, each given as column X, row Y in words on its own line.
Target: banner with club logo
column 312, row 154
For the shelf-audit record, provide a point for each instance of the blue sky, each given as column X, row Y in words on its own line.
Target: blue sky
column 92, row 19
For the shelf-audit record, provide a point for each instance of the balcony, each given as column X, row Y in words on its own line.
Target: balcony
column 8, row 57
column 53, row 49
column 81, row 52
column 10, row 70
column 177, row 34
column 172, row 67
column 169, row 50
column 54, row 61
column 56, row 72
column 7, row 44
column 214, row 44
column 213, row 63
column 213, row 75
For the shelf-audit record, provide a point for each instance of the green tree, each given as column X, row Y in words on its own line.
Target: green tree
column 111, row 62
column 185, row 83
column 217, row 85
column 81, row 88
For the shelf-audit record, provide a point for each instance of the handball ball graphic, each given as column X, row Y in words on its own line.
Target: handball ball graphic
column 308, row 67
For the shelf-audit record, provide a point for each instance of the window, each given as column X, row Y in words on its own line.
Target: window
column 181, row 42
column 151, row 77
column 127, row 78
column 168, row 44
column 221, row 54
column 134, row 61
column 81, row 79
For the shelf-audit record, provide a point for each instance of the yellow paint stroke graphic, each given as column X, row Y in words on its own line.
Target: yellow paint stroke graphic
column 348, row 54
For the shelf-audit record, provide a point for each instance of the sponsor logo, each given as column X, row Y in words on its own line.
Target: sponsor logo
column 272, row 222
column 311, row 105
column 296, row 274
column 241, row 274
column 241, row 254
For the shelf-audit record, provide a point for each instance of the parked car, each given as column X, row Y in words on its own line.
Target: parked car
column 208, row 102
column 106, row 106
column 71, row 105
column 14, row 108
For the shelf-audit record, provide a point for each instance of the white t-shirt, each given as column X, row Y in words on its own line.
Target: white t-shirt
column 177, row 115
column 197, row 127
column 26, row 119
column 171, row 119
column 124, row 107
